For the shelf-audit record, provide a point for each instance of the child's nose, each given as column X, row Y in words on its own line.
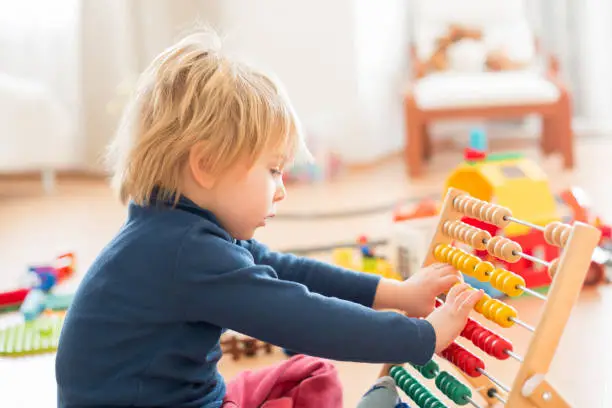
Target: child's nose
column 280, row 192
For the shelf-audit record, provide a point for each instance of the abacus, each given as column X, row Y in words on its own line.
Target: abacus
column 567, row 272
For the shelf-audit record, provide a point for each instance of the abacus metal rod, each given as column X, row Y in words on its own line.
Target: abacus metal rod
column 532, row 292
column 471, row 401
column 495, row 380
column 532, row 258
column 514, row 356
column 499, row 397
column 522, row 323
column 525, row 223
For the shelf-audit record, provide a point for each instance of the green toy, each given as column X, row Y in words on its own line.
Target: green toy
column 37, row 337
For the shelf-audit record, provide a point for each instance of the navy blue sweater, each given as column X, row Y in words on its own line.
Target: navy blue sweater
column 146, row 320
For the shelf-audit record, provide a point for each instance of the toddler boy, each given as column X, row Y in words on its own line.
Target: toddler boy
column 199, row 160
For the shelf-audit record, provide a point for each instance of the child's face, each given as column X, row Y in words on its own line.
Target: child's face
column 244, row 199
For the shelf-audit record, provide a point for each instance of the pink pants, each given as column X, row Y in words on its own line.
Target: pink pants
column 300, row 382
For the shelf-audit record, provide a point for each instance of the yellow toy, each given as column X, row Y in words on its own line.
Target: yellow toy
column 530, row 387
column 512, row 181
column 347, row 258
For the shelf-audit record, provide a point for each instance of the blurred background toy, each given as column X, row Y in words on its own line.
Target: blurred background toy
column 325, row 166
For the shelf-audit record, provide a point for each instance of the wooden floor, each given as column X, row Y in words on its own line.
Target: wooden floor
column 82, row 215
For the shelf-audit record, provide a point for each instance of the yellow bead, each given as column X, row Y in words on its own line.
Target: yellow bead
column 446, row 251
column 503, row 315
column 469, row 265
column 440, row 253
column 490, row 309
column 497, row 277
column 511, row 283
column 482, row 270
column 455, row 257
column 479, row 305
column 437, row 253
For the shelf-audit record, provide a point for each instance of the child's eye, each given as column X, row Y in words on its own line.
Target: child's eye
column 276, row 172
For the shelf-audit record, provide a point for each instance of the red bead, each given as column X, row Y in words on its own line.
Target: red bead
column 479, row 338
column 499, row 348
column 463, row 359
column 490, row 343
column 470, row 327
column 472, row 365
column 486, row 340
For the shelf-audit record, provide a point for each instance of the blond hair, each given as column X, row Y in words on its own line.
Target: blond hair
column 193, row 93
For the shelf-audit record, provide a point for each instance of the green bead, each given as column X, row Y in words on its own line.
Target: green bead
column 430, row 370
column 422, row 399
column 395, row 370
column 418, row 396
column 404, row 381
column 411, row 389
column 452, row 391
column 442, row 382
column 435, row 403
column 439, row 381
column 427, row 402
column 461, row 393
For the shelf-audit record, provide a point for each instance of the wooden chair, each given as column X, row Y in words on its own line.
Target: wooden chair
column 477, row 59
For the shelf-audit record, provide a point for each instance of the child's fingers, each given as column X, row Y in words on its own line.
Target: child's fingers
column 462, row 297
column 448, row 271
column 447, row 281
column 435, row 266
column 455, row 291
column 470, row 301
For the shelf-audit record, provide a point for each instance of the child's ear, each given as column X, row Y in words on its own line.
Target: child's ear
column 199, row 168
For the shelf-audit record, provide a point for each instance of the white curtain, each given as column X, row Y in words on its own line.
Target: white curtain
column 38, row 41
column 38, row 84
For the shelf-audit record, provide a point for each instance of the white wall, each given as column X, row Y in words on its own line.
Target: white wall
column 341, row 62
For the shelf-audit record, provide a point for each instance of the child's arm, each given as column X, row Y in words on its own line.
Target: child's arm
column 416, row 296
column 319, row 277
column 217, row 282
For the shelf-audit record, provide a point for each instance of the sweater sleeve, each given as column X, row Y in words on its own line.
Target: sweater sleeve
column 218, row 282
column 319, row 277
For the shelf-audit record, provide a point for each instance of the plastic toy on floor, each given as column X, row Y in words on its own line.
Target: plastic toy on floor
column 578, row 201
column 38, row 285
column 238, row 345
column 30, row 338
column 366, row 260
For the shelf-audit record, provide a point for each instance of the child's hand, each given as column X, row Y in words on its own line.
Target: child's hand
column 423, row 287
column 449, row 319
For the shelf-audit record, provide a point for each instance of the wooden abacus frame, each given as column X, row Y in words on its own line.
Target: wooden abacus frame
column 530, row 388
